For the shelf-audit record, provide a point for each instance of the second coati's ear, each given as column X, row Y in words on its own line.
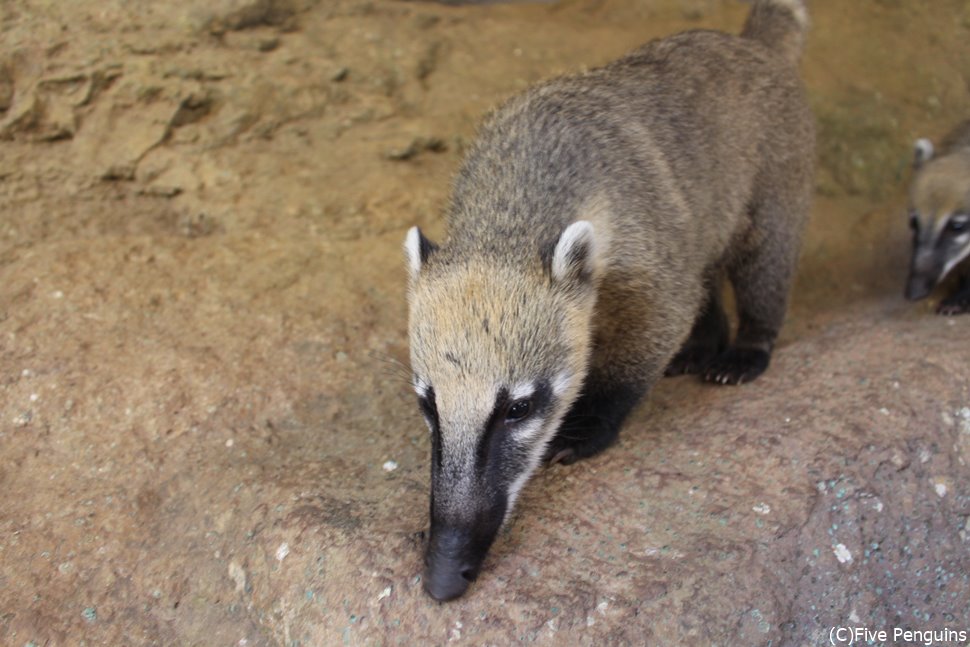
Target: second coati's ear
column 922, row 152
column 575, row 255
column 418, row 249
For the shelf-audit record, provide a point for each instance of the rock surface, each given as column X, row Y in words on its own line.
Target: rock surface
column 208, row 437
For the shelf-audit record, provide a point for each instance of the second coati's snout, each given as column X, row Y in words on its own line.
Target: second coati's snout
column 498, row 356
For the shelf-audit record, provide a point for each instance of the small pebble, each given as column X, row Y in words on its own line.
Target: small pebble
column 282, row 551
column 842, row 554
column 390, row 466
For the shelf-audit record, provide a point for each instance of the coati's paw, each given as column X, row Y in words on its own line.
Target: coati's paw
column 691, row 360
column 957, row 304
column 737, row 366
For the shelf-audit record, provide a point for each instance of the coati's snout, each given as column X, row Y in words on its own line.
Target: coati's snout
column 924, row 270
column 918, row 286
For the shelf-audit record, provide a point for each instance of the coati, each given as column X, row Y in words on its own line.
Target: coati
column 939, row 216
column 589, row 230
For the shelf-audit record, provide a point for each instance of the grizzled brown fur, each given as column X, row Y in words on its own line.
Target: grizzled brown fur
column 590, row 228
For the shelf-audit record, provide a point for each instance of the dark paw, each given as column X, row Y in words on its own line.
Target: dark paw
column 737, row 366
column 691, row 360
column 955, row 305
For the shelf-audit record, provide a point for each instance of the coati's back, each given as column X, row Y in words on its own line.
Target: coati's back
column 664, row 145
column 589, row 230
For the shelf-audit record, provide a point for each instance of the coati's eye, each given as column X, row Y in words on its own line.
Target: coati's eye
column 518, row 410
column 958, row 223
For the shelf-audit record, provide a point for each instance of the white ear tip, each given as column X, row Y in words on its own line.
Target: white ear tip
column 577, row 236
column 923, row 149
column 579, row 231
column 412, row 238
column 412, row 247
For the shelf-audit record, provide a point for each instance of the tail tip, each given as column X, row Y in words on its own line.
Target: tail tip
column 797, row 9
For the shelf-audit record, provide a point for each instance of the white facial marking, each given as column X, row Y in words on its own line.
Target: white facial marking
column 523, row 390
column 538, row 450
column 963, row 239
column 420, row 387
column 528, row 431
column 561, row 383
column 412, row 246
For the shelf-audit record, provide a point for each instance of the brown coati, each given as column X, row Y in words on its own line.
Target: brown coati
column 939, row 215
column 589, row 231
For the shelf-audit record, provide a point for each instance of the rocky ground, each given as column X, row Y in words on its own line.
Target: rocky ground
column 202, row 343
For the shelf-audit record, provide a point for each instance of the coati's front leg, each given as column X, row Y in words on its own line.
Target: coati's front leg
column 708, row 338
column 957, row 303
column 594, row 420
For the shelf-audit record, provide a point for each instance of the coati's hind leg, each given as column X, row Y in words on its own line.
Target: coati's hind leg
column 957, row 303
column 708, row 338
column 594, row 420
column 761, row 275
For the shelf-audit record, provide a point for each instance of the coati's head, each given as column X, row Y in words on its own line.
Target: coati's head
column 499, row 352
column 939, row 216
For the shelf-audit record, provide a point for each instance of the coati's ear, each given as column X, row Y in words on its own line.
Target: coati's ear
column 418, row 249
column 922, row 152
column 574, row 257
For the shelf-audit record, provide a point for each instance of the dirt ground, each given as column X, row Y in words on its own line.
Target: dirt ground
column 207, row 435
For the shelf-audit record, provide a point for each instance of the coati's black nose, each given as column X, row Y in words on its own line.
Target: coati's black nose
column 453, row 561
column 918, row 287
column 447, row 579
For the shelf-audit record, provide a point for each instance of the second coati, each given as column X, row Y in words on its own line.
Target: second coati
column 939, row 216
column 589, row 231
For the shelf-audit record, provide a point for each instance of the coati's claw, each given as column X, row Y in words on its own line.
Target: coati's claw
column 691, row 360
column 737, row 366
column 955, row 305
column 566, row 456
